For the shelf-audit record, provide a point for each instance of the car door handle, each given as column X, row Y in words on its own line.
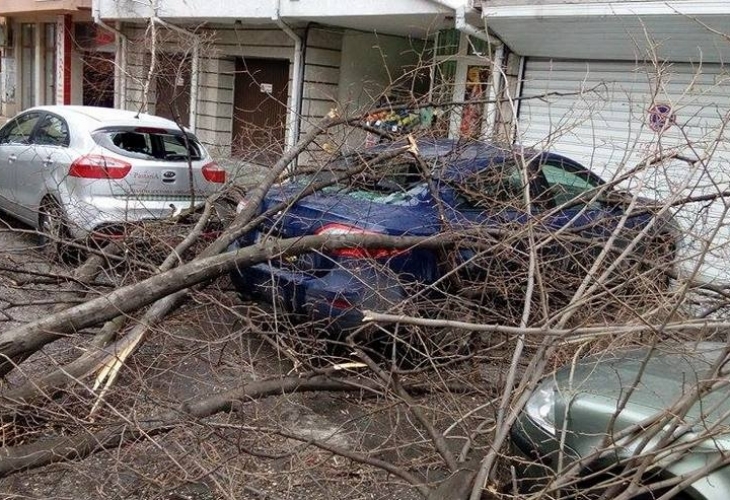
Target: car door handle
column 12, row 158
column 48, row 162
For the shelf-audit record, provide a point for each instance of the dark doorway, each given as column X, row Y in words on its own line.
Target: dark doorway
column 259, row 114
column 98, row 84
column 173, row 88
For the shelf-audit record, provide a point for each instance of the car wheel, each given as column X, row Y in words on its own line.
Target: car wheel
column 54, row 233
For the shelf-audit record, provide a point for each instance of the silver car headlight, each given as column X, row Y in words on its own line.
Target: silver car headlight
column 541, row 406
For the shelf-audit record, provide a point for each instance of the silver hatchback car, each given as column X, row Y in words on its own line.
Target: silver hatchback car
column 73, row 171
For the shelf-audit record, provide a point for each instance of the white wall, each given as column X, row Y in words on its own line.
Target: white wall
column 371, row 66
column 372, row 63
column 347, row 8
column 251, row 11
column 323, row 57
column 220, row 45
column 342, row 70
column 263, row 10
column 223, row 44
column 77, row 77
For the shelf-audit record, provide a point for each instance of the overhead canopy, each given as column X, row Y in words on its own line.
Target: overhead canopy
column 404, row 24
column 23, row 7
column 680, row 30
column 415, row 18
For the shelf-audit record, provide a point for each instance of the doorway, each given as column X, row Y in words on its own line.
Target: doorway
column 260, row 109
column 98, row 75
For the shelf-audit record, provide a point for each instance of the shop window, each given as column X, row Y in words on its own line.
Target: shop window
column 27, row 64
column 447, row 43
column 98, row 79
column 49, row 34
column 477, row 47
column 460, row 83
column 475, row 94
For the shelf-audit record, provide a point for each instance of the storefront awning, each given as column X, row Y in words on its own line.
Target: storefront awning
column 687, row 31
column 9, row 8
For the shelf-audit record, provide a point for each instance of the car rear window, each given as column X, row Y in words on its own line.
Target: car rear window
column 150, row 143
column 396, row 174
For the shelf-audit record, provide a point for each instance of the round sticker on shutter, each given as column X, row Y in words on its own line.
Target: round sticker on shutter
column 661, row 117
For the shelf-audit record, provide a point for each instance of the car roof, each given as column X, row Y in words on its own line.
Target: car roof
column 437, row 147
column 461, row 149
column 94, row 116
column 462, row 157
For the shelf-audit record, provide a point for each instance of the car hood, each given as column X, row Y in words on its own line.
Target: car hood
column 590, row 392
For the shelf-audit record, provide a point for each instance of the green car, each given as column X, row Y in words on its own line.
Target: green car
column 638, row 423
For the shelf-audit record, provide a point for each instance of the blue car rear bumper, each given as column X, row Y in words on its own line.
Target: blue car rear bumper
column 335, row 297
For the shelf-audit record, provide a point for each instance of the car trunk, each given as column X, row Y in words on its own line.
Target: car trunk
column 153, row 180
column 360, row 210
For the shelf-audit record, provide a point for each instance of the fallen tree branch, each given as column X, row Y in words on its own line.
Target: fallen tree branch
column 114, row 362
column 697, row 325
column 360, row 458
column 392, row 379
column 22, row 341
column 74, row 447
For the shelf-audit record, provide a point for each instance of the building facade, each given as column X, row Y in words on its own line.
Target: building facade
column 53, row 53
column 251, row 77
column 637, row 90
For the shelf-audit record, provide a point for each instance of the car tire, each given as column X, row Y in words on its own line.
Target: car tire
column 53, row 230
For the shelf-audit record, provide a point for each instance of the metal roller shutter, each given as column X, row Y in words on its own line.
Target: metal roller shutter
column 609, row 116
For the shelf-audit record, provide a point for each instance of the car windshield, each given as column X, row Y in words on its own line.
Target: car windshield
column 499, row 185
column 150, row 143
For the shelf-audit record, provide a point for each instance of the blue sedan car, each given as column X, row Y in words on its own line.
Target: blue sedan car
column 449, row 186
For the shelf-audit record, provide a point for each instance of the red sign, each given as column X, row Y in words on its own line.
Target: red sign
column 661, row 117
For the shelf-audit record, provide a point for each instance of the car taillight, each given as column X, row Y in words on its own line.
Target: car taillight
column 99, row 167
column 213, row 173
column 150, row 130
column 356, row 253
column 341, row 304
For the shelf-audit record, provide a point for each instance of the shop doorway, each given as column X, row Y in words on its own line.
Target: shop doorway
column 260, row 109
column 98, row 83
